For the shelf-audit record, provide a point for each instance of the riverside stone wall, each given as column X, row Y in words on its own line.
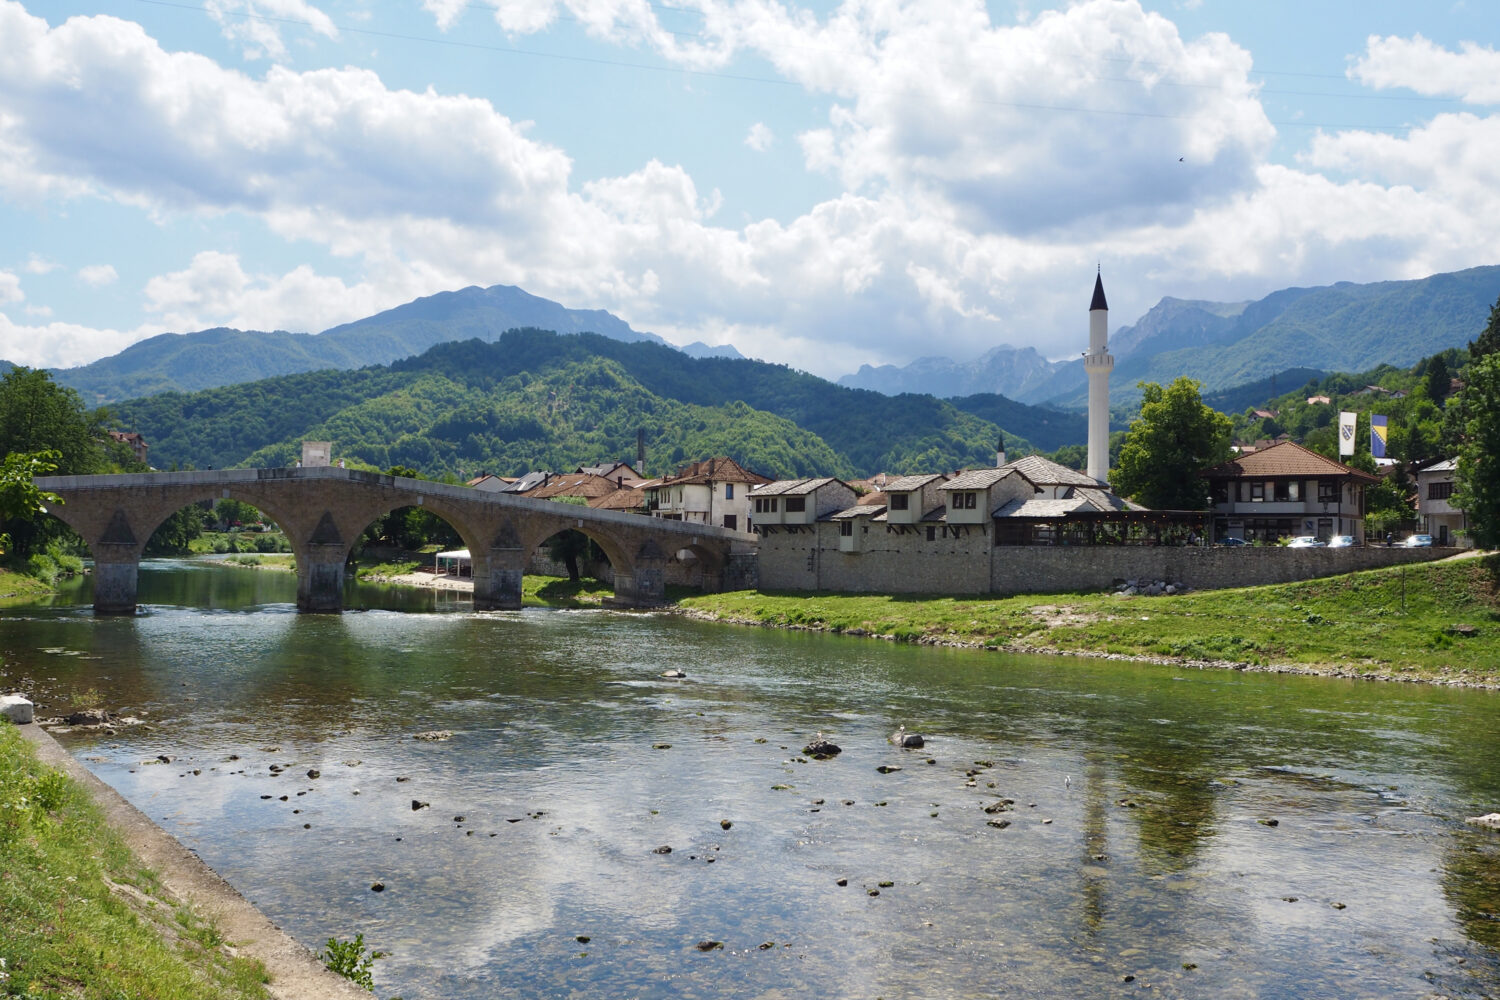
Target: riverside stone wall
column 956, row 561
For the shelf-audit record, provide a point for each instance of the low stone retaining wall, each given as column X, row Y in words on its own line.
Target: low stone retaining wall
column 1022, row 570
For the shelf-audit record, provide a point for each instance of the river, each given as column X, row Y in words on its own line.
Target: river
column 1150, row 831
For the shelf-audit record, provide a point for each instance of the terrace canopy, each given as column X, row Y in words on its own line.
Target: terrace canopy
column 455, row 562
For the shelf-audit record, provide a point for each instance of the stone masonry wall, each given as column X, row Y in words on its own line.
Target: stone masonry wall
column 893, row 562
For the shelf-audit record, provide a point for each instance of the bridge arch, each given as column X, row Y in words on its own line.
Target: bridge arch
column 323, row 511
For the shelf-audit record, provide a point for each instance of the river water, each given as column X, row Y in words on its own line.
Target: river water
column 1210, row 834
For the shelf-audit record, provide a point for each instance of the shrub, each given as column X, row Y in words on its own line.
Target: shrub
column 349, row 959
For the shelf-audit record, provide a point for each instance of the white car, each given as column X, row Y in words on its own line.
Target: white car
column 1418, row 542
column 1341, row 542
column 1305, row 542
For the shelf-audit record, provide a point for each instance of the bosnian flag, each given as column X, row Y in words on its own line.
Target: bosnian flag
column 1346, row 433
column 1377, row 436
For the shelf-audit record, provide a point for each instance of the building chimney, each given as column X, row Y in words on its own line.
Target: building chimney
column 640, row 451
column 1000, row 452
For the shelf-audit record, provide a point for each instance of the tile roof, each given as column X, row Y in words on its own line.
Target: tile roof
column 575, row 484
column 907, row 483
column 628, row 498
column 714, row 470
column 1286, row 458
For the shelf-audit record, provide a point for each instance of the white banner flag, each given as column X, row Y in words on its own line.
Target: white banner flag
column 1346, row 433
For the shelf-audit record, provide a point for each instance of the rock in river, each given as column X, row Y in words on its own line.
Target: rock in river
column 1490, row 821
column 821, row 749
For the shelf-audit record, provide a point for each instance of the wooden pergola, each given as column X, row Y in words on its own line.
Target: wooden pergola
column 1106, row 527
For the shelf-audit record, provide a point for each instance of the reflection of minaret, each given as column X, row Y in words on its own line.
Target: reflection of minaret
column 1097, row 361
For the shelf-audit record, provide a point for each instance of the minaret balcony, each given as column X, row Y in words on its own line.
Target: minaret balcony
column 1098, row 362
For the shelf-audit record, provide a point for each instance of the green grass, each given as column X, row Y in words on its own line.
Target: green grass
column 21, row 587
column 79, row 917
column 560, row 592
column 1394, row 622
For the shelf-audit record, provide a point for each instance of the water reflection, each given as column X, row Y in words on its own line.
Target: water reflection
column 1140, row 839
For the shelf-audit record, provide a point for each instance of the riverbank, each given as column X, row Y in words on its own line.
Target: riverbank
column 97, row 901
column 20, row 587
column 1435, row 622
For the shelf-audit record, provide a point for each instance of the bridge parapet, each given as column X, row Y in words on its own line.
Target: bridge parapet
column 324, row 510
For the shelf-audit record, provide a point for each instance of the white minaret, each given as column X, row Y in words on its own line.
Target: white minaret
column 1097, row 361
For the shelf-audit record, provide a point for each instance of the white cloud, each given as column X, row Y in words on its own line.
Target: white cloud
column 1471, row 74
column 985, row 168
column 10, row 288
column 98, row 275
column 43, row 311
column 215, row 290
column 258, row 24
column 760, row 137
column 36, row 264
column 63, row 345
column 445, row 12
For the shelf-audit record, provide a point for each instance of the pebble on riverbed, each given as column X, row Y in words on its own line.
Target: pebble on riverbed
column 1490, row 821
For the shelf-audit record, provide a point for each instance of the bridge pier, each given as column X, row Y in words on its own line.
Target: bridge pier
column 497, row 581
column 645, row 585
column 320, row 578
column 116, row 577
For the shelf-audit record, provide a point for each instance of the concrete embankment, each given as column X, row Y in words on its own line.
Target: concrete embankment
column 296, row 973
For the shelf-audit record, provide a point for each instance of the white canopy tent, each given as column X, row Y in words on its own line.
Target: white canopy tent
column 455, row 562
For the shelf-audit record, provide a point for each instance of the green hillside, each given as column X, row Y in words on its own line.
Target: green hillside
column 534, row 399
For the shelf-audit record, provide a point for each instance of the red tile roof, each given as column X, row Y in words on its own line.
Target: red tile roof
column 1286, row 458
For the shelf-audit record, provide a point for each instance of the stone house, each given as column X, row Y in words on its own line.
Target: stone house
column 1287, row 490
column 714, row 491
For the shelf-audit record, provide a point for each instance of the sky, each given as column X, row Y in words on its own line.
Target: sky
column 821, row 185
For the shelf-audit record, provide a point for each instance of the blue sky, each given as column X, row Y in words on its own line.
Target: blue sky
column 822, row 185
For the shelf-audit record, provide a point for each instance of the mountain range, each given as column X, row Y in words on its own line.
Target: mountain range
column 1342, row 327
column 539, row 400
column 223, row 356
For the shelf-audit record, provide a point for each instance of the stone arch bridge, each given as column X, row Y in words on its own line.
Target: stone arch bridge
column 324, row 510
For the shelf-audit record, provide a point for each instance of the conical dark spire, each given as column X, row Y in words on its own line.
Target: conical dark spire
column 1098, row 302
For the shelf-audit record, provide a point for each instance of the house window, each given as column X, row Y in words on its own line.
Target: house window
column 1220, row 491
column 732, row 522
column 931, row 533
column 964, row 501
column 1244, row 492
column 846, row 528
column 1439, row 491
column 1281, row 491
column 1328, row 491
column 796, row 505
column 1257, row 492
column 899, row 501
column 765, row 505
column 1294, row 490
column 728, row 491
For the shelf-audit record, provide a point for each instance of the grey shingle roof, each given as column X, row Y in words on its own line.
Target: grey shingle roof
column 791, row 487
column 906, row 483
column 977, row 479
column 860, row 511
column 1045, row 472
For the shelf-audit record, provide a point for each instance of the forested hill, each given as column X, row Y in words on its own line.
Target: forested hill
column 534, row 399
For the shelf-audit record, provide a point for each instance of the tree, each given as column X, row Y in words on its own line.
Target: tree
column 175, row 535
column 37, row 414
column 20, row 500
column 1477, row 485
column 1174, row 439
column 1488, row 341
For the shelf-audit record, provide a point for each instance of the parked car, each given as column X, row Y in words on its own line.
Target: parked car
column 1231, row 541
column 1418, row 542
column 1305, row 542
column 1342, row 542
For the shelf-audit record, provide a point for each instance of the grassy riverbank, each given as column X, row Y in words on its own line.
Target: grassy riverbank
column 21, row 587
column 79, row 917
column 1434, row 622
